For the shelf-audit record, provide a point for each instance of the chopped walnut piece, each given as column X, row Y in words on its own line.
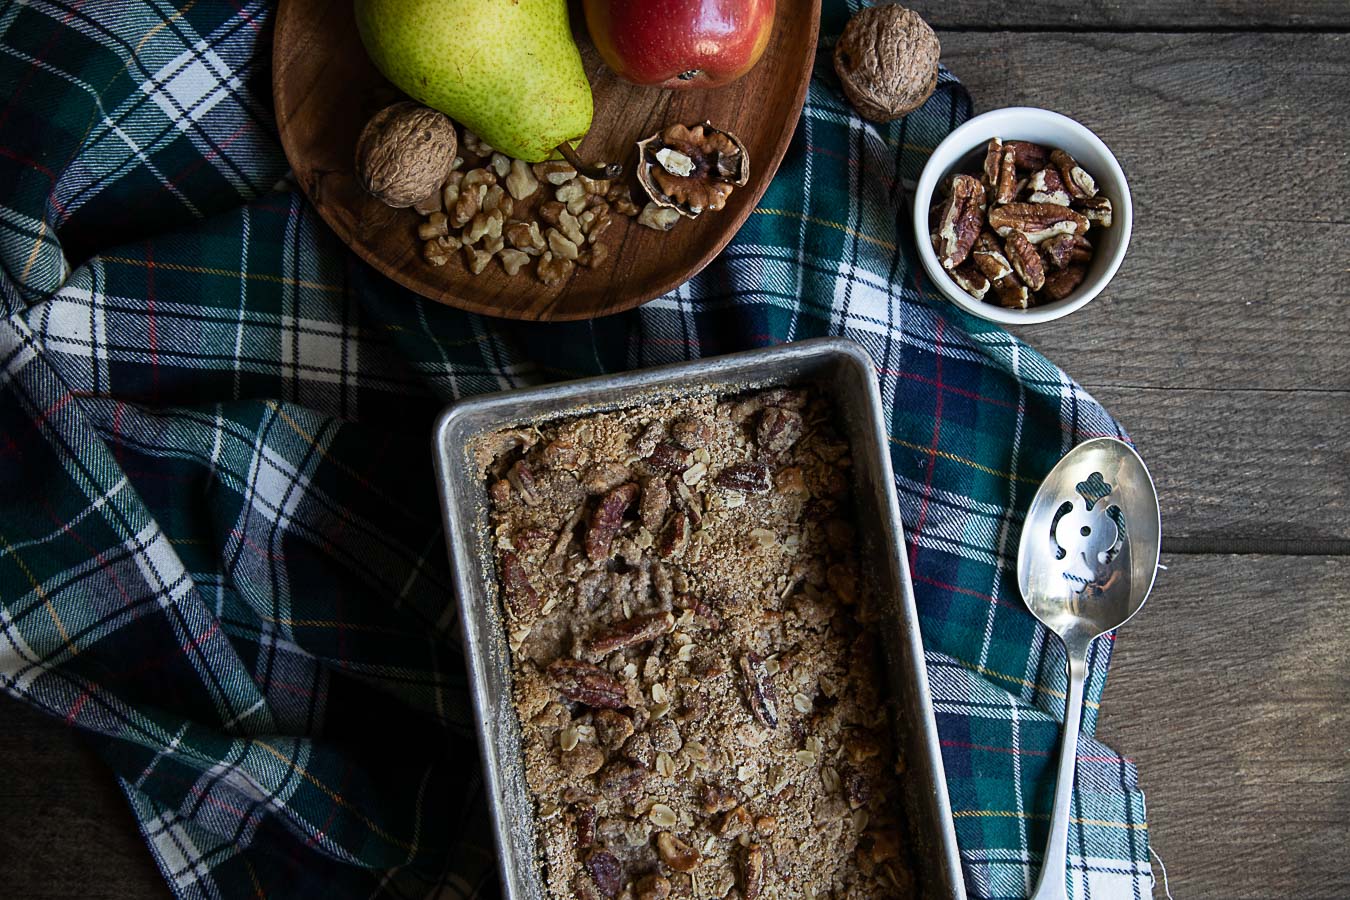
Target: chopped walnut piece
column 659, row 218
column 553, row 271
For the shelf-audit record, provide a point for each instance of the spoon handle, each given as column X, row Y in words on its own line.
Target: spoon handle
column 1051, row 885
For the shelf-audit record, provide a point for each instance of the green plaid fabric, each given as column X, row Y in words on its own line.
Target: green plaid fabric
column 220, row 552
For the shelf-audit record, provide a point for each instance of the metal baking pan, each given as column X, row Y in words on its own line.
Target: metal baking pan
column 843, row 372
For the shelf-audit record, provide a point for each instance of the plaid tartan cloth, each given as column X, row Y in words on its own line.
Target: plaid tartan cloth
column 220, row 551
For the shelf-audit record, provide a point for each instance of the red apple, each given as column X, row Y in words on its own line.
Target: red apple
column 680, row 43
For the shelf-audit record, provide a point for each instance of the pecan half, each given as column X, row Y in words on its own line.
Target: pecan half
column 607, row 872
column 587, row 684
column 961, row 216
column 520, row 596
column 1076, row 181
column 993, row 158
column 1006, row 185
column 669, row 457
column 1062, row 283
column 676, row 853
column 752, row 872
column 748, row 478
column 1012, row 293
column 1037, row 221
column 1066, row 249
column 629, row 633
column 971, row 280
column 1047, row 187
column 607, row 519
column 675, row 538
column 585, row 823
column 654, row 504
column 759, row 690
column 651, row 436
column 1096, row 209
column 1026, row 261
column 778, row 429
column 1028, row 155
column 988, row 257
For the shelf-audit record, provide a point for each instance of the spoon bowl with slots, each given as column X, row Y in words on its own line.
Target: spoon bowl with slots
column 1085, row 564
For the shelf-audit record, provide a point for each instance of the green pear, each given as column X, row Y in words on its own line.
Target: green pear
column 507, row 69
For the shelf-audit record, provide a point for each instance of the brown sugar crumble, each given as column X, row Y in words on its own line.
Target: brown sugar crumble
column 698, row 689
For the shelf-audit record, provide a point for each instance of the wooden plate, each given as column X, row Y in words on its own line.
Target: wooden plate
column 325, row 88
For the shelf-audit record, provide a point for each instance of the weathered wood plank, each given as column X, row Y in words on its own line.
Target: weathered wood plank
column 1236, row 276
column 1230, row 692
column 1139, row 15
column 66, row 832
column 1243, row 466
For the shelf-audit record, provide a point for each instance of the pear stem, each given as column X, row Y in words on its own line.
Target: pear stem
column 599, row 173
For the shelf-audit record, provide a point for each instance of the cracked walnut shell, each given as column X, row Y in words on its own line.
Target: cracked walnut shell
column 887, row 62
column 692, row 169
column 405, row 153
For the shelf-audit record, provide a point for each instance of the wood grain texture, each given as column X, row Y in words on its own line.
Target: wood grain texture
column 1244, row 466
column 325, row 89
column 1230, row 691
column 1137, row 15
column 66, row 831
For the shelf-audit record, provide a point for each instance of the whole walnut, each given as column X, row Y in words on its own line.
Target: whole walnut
column 405, row 152
column 887, row 60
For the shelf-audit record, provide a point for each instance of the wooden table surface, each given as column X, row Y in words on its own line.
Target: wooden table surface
column 1223, row 345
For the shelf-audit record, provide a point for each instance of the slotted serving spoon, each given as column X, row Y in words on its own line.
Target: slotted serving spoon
column 1085, row 564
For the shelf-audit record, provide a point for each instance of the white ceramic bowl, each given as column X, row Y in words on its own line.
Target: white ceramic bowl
column 963, row 151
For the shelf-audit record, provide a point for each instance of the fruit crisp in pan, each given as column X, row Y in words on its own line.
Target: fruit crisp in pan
column 698, row 688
